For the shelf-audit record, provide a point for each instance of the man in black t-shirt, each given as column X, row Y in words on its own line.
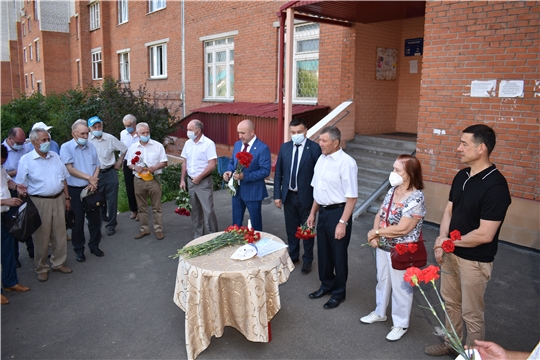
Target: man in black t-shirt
column 478, row 201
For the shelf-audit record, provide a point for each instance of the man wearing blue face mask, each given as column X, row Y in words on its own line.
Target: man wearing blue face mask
column 292, row 188
column 129, row 137
column 107, row 146
column 82, row 162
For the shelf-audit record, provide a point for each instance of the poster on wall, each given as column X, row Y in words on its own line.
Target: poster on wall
column 386, row 64
column 483, row 88
column 511, row 88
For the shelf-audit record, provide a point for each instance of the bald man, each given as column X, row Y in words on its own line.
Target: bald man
column 252, row 189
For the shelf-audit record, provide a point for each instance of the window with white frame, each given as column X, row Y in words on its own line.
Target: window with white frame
column 219, row 68
column 96, row 65
column 306, row 62
column 94, row 16
column 123, row 61
column 25, row 56
column 122, row 11
column 154, row 5
column 26, row 80
column 38, row 56
column 77, row 26
column 36, row 9
column 157, row 52
column 29, row 24
column 31, row 52
column 32, row 79
column 78, row 71
column 39, row 87
column 23, row 27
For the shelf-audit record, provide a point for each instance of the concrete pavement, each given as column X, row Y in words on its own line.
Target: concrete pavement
column 121, row 306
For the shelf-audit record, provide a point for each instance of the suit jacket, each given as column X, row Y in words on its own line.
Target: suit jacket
column 252, row 186
column 282, row 177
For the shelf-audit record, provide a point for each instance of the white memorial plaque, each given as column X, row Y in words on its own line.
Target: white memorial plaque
column 413, row 66
column 483, row 88
column 511, row 88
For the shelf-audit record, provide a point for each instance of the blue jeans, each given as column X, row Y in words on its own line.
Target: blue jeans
column 9, row 272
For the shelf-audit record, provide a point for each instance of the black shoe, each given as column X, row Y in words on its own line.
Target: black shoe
column 17, row 263
column 97, row 252
column 105, row 219
column 333, row 303
column 110, row 232
column 31, row 255
column 319, row 293
column 80, row 257
column 306, row 269
column 295, row 261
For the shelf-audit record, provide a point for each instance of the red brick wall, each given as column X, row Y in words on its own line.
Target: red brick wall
column 54, row 68
column 466, row 41
column 7, row 93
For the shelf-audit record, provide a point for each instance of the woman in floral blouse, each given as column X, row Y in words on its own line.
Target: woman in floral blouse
column 396, row 223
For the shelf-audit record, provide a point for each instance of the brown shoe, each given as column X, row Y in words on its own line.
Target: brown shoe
column 141, row 235
column 133, row 215
column 440, row 350
column 159, row 235
column 17, row 288
column 43, row 276
column 5, row 300
column 63, row 269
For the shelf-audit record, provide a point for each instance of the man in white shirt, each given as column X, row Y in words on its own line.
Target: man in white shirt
column 129, row 137
column 200, row 159
column 106, row 146
column 44, row 175
column 145, row 158
column 335, row 190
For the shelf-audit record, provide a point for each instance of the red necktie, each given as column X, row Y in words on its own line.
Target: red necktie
column 245, row 147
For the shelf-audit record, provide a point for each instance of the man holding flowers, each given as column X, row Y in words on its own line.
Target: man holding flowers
column 478, row 201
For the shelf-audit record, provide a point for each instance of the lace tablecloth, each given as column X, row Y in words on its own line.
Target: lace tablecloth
column 215, row 291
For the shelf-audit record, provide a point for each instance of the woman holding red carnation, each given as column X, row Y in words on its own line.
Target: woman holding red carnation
column 399, row 222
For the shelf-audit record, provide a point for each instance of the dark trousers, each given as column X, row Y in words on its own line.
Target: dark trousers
column 94, row 222
column 9, row 272
column 332, row 253
column 239, row 208
column 108, row 184
column 296, row 215
column 130, row 187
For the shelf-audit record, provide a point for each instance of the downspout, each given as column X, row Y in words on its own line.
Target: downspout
column 289, row 74
column 183, row 94
column 281, row 47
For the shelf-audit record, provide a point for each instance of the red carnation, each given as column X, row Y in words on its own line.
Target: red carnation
column 244, row 158
column 133, row 162
column 455, row 235
column 412, row 247
column 401, row 249
column 413, row 275
column 137, row 153
column 448, row 246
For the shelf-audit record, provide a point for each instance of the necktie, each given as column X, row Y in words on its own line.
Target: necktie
column 245, row 147
column 295, row 166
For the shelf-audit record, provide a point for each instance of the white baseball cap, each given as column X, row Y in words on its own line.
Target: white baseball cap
column 41, row 125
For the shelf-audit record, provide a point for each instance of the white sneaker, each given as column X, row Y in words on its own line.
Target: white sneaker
column 396, row 333
column 371, row 318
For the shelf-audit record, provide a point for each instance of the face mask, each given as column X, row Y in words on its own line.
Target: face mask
column 145, row 139
column 130, row 129
column 191, row 135
column 297, row 138
column 81, row 141
column 45, row 147
column 16, row 147
column 395, row 179
column 97, row 133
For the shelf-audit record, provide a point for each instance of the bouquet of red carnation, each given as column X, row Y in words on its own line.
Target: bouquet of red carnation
column 403, row 248
column 138, row 160
column 448, row 245
column 183, row 205
column 244, row 160
column 304, row 232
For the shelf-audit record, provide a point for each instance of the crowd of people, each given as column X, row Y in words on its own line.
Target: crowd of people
column 316, row 184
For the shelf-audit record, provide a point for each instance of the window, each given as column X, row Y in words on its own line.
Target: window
column 158, row 58
column 36, row 43
column 219, row 69
column 25, row 57
column 306, row 63
column 77, row 26
column 94, row 16
column 23, row 26
column 36, row 9
column 96, row 65
column 29, row 24
column 32, row 79
column 30, row 51
column 78, row 71
column 123, row 60
column 39, row 87
column 26, row 80
column 155, row 5
column 122, row 11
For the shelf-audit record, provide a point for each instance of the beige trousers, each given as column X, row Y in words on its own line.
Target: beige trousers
column 143, row 190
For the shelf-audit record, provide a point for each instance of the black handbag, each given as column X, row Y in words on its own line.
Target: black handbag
column 25, row 220
column 93, row 201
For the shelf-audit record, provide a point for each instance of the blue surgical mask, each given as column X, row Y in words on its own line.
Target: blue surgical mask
column 16, row 147
column 45, row 147
column 97, row 133
column 130, row 129
column 145, row 139
column 297, row 138
column 81, row 141
column 191, row 135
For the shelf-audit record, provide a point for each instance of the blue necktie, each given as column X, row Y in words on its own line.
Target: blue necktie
column 295, row 166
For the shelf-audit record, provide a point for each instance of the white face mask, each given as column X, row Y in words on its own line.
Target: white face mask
column 191, row 135
column 395, row 179
column 297, row 138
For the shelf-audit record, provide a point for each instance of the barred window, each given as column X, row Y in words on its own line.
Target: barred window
column 306, row 62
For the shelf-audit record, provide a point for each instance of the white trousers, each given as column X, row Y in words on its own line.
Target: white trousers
column 389, row 281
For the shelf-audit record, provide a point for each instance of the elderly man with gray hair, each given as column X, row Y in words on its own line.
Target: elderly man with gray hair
column 82, row 162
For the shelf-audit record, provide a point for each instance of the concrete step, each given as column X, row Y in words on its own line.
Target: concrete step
column 384, row 142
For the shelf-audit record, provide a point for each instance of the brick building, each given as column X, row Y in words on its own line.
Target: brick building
column 231, row 55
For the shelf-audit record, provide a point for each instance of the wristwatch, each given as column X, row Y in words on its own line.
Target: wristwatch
column 377, row 232
column 343, row 222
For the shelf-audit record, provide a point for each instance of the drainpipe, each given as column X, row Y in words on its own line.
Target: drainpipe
column 281, row 47
column 183, row 65
column 289, row 74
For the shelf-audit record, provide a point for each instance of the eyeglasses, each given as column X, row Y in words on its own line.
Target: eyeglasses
column 18, row 143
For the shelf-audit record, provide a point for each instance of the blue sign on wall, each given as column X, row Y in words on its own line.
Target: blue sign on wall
column 414, row 47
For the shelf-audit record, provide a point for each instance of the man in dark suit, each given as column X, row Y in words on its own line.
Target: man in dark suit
column 252, row 189
column 292, row 187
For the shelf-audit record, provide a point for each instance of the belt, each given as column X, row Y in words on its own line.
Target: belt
column 48, row 197
column 76, row 187
column 332, row 206
column 190, row 178
column 293, row 192
column 107, row 169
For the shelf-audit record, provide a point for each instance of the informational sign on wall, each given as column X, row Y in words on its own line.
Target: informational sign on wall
column 483, row 88
column 511, row 88
column 414, row 47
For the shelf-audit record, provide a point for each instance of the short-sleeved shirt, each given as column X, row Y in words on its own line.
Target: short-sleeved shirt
column 4, row 189
column 335, row 178
column 484, row 196
column 84, row 159
column 152, row 154
column 197, row 155
column 106, row 147
column 12, row 162
column 413, row 206
column 42, row 176
column 127, row 139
